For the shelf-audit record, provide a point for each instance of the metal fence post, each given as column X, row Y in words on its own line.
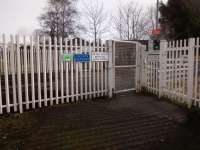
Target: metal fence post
column 5, row 63
column 19, row 82
column 138, row 46
column 190, row 80
column 139, row 50
column 144, row 82
column 162, row 73
column 110, row 69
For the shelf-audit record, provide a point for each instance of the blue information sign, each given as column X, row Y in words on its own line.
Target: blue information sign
column 81, row 57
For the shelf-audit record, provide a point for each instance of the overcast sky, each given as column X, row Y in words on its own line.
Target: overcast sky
column 16, row 15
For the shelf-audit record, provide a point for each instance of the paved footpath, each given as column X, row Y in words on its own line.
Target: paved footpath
column 128, row 121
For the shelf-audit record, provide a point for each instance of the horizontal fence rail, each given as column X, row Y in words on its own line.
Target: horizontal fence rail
column 33, row 72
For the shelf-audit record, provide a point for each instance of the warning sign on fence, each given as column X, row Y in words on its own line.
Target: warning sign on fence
column 81, row 57
column 100, row 56
column 67, row 57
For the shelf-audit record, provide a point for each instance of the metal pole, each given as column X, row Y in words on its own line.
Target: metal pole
column 157, row 12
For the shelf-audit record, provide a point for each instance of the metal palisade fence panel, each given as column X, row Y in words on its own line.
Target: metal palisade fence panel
column 152, row 72
column 174, row 72
column 38, row 72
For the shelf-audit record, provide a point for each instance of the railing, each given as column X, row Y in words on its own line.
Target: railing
column 33, row 73
column 174, row 72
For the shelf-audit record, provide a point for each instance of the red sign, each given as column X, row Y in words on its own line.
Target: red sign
column 156, row 32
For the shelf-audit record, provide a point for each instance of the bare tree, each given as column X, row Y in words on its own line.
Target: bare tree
column 131, row 22
column 95, row 19
column 59, row 18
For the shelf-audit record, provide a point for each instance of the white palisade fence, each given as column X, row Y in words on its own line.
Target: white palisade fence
column 33, row 73
column 174, row 71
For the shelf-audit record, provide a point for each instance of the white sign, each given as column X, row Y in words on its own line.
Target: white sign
column 88, row 49
column 100, row 56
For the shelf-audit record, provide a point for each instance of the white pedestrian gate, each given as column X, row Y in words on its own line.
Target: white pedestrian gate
column 125, row 62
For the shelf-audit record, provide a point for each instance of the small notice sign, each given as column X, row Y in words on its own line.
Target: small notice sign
column 67, row 57
column 81, row 57
column 88, row 49
column 100, row 56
